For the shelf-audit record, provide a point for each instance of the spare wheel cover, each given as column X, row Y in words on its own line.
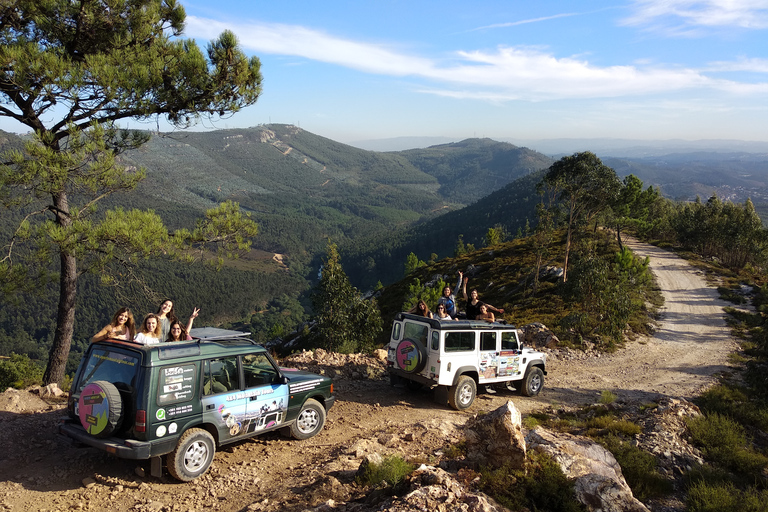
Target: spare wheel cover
column 100, row 408
column 410, row 356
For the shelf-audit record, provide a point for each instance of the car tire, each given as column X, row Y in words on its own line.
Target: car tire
column 192, row 456
column 410, row 356
column 100, row 408
column 310, row 420
column 532, row 382
column 462, row 395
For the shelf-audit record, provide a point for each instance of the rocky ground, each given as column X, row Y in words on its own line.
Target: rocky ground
column 40, row 471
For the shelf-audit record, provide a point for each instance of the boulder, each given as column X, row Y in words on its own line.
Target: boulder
column 436, row 490
column 598, row 481
column 496, row 438
column 538, row 335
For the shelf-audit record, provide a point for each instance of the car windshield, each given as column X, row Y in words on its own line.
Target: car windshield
column 110, row 365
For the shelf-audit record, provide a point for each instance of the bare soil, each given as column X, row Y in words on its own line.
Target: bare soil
column 40, row 471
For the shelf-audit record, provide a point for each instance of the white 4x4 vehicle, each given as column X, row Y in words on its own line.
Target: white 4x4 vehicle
column 457, row 356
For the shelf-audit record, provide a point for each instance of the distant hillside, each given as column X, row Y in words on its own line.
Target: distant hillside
column 731, row 176
column 302, row 188
column 382, row 259
column 473, row 168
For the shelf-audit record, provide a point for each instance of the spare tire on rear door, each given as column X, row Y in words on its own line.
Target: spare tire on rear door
column 100, row 408
column 410, row 356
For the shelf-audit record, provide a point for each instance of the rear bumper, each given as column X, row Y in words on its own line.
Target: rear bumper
column 123, row 448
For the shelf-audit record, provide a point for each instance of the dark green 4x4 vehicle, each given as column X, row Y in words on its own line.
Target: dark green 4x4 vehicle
column 182, row 400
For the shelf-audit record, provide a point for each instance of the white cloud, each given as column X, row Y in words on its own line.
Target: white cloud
column 683, row 16
column 752, row 65
column 506, row 73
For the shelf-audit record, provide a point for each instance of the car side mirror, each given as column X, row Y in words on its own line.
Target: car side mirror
column 282, row 379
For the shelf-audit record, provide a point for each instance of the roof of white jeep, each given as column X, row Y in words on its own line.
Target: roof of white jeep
column 456, row 324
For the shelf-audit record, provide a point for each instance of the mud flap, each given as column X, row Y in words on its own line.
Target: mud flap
column 441, row 395
column 156, row 466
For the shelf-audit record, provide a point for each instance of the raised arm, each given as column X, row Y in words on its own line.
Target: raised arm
column 494, row 309
column 192, row 318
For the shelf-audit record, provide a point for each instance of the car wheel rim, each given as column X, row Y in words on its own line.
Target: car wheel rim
column 307, row 421
column 535, row 383
column 195, row 456
column 465, row 395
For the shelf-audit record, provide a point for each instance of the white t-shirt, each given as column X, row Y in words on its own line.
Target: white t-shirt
column 146, row 339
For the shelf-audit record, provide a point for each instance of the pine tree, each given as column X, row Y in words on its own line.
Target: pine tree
column 69, row 71
column 346, row 322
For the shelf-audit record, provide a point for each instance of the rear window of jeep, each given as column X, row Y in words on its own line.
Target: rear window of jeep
column 112, row 366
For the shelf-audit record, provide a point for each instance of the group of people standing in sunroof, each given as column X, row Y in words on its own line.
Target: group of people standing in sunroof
column 156, row 328
column 447, row 308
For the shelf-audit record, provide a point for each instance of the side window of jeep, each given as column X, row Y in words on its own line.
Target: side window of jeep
column 460, row 341
column 258, row 370
column 221, row 376
column 487, row 341
column 509, row 341
column 436, row 340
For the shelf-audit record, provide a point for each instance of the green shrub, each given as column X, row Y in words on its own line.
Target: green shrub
column 734, row 401
column 393, row 470
column 639, row 469
column 607, row 397
column 456, row 450
column 542, row 486
column 723, row 441
column 706, row 497
column 612, row 425
column 19, row 371
column 716, row 431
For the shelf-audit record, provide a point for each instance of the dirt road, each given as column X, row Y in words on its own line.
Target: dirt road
column 690, row 347
column 39, row 471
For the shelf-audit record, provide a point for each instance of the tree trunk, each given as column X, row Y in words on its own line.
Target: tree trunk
column 65, row 317
column 65, row 322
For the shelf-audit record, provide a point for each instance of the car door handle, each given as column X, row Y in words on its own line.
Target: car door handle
column 210, row 406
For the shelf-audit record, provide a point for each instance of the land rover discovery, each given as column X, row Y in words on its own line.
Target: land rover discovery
column 182, row 400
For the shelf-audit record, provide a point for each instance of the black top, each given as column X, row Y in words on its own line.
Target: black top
column 473, row 311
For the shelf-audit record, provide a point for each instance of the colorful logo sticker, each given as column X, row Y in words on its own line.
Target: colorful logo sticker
column 94, row 409
column 160, row 414
column 407, row 355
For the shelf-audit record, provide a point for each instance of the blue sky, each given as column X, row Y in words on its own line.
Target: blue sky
column 645, row 69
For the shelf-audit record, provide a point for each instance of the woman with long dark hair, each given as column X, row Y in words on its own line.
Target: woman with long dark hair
column 122, row 327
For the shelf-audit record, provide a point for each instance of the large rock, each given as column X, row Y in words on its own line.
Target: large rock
column 435, row 490
column 599, row 483
column 538, row 335
column 496, row 438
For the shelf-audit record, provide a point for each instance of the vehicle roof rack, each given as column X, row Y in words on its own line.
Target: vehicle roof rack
column 214, row 333
column 456, row 324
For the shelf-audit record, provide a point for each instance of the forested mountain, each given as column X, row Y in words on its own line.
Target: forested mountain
column 512, row 207
column 302, row 189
